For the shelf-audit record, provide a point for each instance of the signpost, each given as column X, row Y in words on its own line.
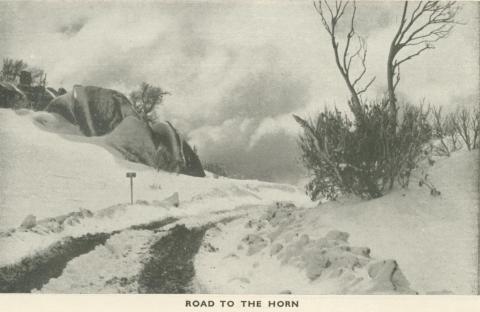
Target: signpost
column 131, row 175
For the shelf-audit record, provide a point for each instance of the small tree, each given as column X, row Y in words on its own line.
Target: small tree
column 145, row 99
column 11, row 69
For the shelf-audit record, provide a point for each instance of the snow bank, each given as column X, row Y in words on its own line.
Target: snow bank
column 267, row 252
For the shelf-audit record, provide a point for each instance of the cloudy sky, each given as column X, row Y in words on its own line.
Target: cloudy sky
column 236, row 70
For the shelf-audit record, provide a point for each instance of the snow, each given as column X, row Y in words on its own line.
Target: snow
column 109, row 268
column 252, row 256
column 433, row 239
column 47, row 174
column 48, row 170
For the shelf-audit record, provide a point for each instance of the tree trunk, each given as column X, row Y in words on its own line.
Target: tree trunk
column 392, row 107
column 392, row 100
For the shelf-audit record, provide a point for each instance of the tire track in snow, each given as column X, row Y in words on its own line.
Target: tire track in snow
column 170, row 269
column 111, row 268
column 35, row 271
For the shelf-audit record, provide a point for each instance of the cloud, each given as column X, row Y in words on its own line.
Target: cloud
column 247, row 151
column 236, row 71
column 73, row 27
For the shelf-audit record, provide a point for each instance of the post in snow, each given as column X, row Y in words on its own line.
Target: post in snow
column 131, row 175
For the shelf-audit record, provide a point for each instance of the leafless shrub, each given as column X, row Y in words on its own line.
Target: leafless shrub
column 466, row 122
column 445, row 131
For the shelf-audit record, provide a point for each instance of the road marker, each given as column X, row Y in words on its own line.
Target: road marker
column 131, row 175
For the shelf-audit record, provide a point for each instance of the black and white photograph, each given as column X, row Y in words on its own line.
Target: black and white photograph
column 248, row 147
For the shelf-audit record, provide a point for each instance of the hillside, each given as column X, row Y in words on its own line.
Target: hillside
column 225, row 236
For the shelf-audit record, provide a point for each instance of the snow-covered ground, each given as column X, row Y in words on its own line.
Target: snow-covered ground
column 433, row 239
column 76, row 186
column 48, row 174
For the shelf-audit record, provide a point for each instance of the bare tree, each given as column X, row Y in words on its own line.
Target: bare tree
column 420, row 27
column 467, row 125
column 352, row 54
column 145, row 99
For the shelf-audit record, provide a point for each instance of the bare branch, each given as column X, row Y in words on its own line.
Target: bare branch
column 366, row 86
column 318, row 8
column 363, row 59
column 349, row 38
column 397, row 63
column 421, row 27
column 352, row 54
column 398, row 35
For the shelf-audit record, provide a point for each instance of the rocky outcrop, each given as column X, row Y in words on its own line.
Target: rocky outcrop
column 38, row 96
column 25, row 96
column 160, row 147
column 97, row 111
column 29, row 222
column 133, row 139
column 193, row 165
column 11, row 96
column 173, row 150
column 169, row 145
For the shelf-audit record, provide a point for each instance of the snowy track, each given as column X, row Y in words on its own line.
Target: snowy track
column 176, row 256
column 155, row 257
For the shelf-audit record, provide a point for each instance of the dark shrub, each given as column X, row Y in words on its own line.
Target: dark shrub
column 362, row 157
